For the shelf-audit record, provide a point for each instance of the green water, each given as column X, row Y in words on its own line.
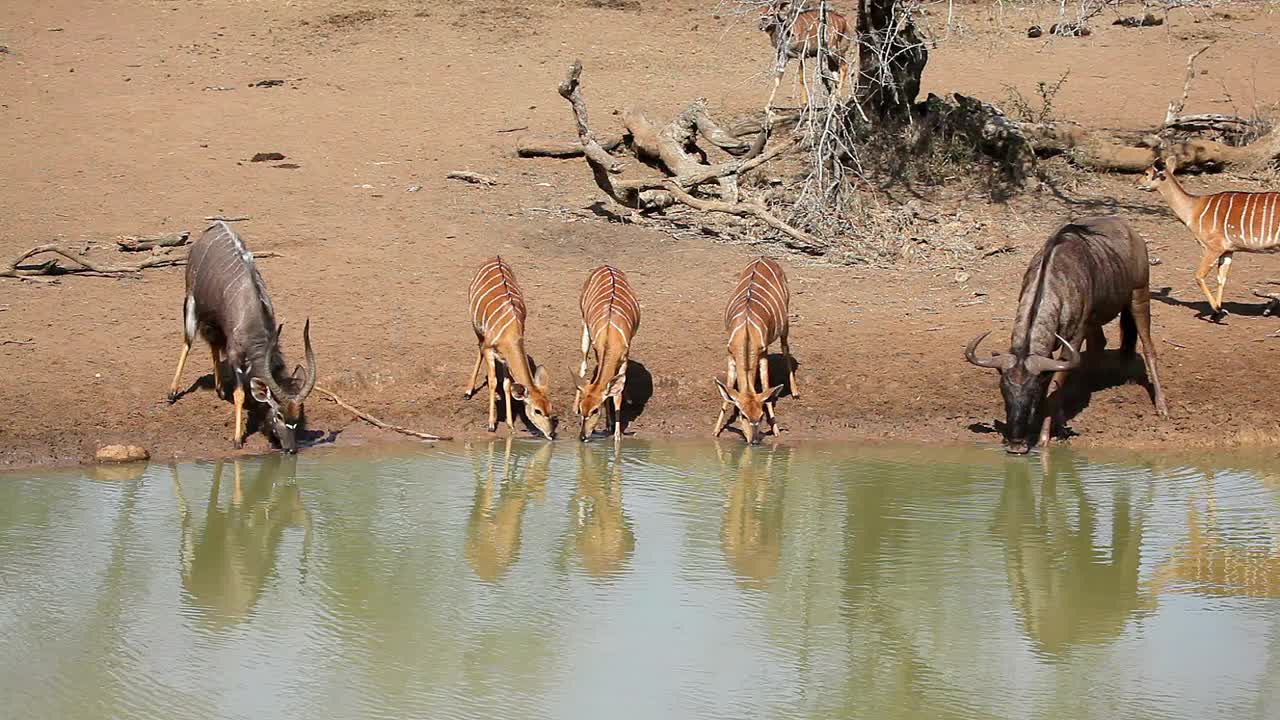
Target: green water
column 537, row 580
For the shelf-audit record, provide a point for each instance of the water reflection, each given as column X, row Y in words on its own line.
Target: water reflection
column 1071, row 582
column 1211, row 563
column 602, row 535
column 751, row 534
column 227, row 561
column 497, row 510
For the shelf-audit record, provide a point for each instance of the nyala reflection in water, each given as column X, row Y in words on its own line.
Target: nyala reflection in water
column 229, row 559
column 1066, row 589
column 751, row 536
column 1211, row 563
column 504, row 486
column 603, row 538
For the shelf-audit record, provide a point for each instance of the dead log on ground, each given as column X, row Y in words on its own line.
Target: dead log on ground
column 666, row 146
column 85, row 266
column 132, row 243
column 532, row 147
column 1099, row 152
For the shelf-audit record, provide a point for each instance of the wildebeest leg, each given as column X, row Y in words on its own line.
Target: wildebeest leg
column 791, row 365
column 492, row 361
column 1053, row 413
column 1140, row 307
column 1097, row 344
column 1206, row 264
column 1128, row 332
column 731, row 379
column 475, row 375
column 237, row 395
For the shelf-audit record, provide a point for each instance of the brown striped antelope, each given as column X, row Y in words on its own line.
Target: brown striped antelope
column 498, row 317
column 610, row 319
column 757, row 315
column 227, row 301
column 1223, row 223
column 799, row 30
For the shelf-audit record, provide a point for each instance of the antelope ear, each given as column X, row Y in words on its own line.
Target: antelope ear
column 519, row 392
column 773, row 393
column 1171, row 164
column 724, row 392
column 259, row 390
column 579, row 382
column 540, row 377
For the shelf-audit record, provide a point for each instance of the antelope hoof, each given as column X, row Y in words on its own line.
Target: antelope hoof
column 237, row 443
column 1219, row 315
column 492, row 427
column 172, row 397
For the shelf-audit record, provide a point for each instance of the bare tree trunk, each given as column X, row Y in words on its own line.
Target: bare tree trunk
column 891, row 59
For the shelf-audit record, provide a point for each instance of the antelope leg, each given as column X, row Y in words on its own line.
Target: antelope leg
column 237, row 395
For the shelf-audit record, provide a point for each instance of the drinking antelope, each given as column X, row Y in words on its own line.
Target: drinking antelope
column 1223, row 223
column 610, row 319
column 498, row 316
column 1088, row 272
column 797, row 30
column 227, row 301
column 756, row 316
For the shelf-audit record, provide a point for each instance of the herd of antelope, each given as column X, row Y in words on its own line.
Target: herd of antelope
column 1088, row 273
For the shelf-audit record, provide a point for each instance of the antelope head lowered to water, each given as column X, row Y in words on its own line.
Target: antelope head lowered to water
column 757, row 315
column 610, row 318
column 227, row 302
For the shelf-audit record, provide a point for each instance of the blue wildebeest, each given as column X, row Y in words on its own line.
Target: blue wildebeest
column 227, row 301
column 1088, row 272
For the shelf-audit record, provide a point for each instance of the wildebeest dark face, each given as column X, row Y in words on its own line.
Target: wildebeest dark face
column 1023, row 391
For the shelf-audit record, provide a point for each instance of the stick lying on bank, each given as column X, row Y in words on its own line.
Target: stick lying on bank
column 85, row 266
column 375, row 421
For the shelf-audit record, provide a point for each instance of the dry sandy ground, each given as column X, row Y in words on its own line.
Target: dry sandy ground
column 111, row 126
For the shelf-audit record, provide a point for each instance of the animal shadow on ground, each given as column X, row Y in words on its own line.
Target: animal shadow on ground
column 204, row 382
column 1113, row 369
column 1202, row 306
column 636, row 394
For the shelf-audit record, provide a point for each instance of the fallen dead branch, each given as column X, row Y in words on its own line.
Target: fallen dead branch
column 671, row 147
column 375, row 421
column 86, row 266
column 528, row 148
column 1177, row 345
column 216, row 218
column 131, row 243
column 1176, row 106
column 472, row 177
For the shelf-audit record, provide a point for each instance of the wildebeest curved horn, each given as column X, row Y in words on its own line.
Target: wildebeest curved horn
column 1039, row 364
column 311, row 362
column 999, row 361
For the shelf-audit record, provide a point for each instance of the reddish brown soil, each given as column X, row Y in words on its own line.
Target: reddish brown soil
column 109, row 127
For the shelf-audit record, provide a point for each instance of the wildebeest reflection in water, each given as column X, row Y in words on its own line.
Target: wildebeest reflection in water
column 497, row 512
column 1067, row 590
column 752, row 533
column 227, row 562
column 602, row 534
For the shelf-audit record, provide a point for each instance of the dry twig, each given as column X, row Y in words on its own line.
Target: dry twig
column 85, row 266
column 472, row 177
column 375, row 421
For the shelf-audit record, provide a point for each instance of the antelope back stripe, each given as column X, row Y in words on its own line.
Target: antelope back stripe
column 608, row 301
column 759, row 304
column 495, row 300
column 1247, row 221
